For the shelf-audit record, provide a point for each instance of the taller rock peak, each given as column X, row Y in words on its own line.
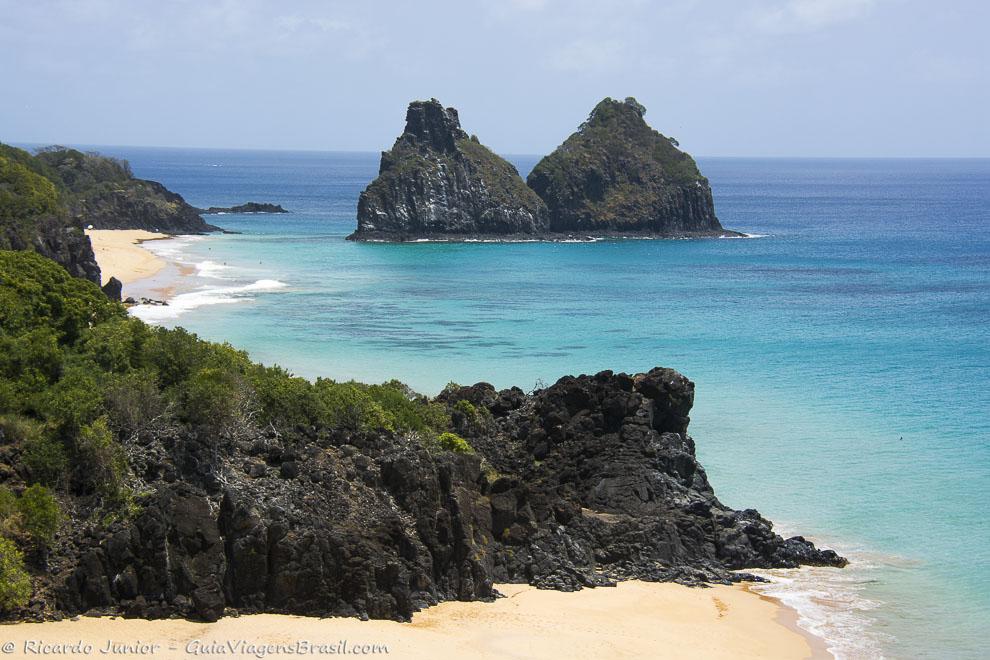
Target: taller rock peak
column 431, row 124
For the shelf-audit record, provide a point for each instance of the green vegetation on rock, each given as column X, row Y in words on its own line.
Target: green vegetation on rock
column 15, row 583
column 616, row 174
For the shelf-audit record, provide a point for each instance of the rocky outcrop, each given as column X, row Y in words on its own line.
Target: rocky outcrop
column 140, row 204
column 617, row 176
column 438, row 182
column 249, row 207
column 103, row 193
column 591, row 480
column 114, row 289
column 63, row 242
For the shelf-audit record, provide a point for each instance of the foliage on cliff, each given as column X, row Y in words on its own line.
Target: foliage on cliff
column 34, row 214
column 79, row 378
column 618, row 174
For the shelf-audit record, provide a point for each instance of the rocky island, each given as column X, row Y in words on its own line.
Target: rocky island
column 614, row 177
column 439, row 182
column 249, row 207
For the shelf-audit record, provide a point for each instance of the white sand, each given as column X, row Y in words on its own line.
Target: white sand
column 633, row 620
column 119, row 253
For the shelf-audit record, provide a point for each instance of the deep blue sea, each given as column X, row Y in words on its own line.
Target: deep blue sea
column 842, row 355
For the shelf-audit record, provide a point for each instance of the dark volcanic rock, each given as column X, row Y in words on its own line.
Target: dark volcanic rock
column 249, row 207
column 113, row 288
column 590, row 480
column 63, row 241
column 437, row 182
column 617, row 176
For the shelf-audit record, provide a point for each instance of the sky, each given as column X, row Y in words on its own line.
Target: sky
column 725, row 77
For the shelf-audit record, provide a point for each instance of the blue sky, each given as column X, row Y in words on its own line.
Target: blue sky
column 730, row 78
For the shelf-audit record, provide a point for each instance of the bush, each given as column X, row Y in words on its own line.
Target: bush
column 15, row 583
column 40, row 514
column 132, row 400
column 217, row 399
column 74, row 401
column 10, row 513
column 286, row 400
column 348, row 406
column 101, row 462
column 453, row 442
column 44, row 457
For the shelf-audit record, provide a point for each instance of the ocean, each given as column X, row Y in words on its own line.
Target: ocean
column 840, row 354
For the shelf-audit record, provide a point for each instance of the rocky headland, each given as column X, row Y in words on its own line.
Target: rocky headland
column 248, row 207
column 614, row 177
column 439, row 182
column 49, row 198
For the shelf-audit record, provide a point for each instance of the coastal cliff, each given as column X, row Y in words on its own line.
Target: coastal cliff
column 438, row 182
column 33, row 216
column 47, row 198
column 201, row 484
column 618, row 176
column 102, row 192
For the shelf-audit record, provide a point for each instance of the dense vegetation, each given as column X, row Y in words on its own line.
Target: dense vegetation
column 79, row 380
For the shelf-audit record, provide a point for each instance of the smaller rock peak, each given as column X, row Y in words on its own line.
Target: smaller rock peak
column 429, row 123
column 610, row 110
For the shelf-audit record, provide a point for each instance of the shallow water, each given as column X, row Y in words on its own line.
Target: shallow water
column 841, row 360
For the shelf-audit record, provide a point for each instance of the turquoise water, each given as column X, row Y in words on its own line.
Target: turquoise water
column 841, row 357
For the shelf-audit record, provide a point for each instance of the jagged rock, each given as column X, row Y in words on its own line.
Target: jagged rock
column 113, row 288
column 249, row 207
column 617, row 176
column 438, row 182
column 591, row 480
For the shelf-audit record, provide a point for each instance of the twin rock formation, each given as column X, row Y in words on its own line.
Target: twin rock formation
column 615, row 176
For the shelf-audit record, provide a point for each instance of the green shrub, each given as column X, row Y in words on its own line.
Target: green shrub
column 453, row 442
column 348, row 406
column 44, row 457
column 40, row 514
column 15, row 583
column 286, row 400
column 218, row 399
column 10, row 513
column 118, row 345
column 132, row 400
column 101, row 462
column 74, row 401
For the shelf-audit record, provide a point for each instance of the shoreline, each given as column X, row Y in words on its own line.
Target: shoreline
column 632, row 619
column 120, row 254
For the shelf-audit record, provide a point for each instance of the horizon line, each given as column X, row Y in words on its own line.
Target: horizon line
column 85, row 145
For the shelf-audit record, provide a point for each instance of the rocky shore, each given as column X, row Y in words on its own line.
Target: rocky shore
column 591, row 480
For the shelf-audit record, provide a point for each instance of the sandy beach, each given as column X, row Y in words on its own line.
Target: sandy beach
column 633, row 620
column 120, row 255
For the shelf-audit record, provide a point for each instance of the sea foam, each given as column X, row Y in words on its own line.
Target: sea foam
column 207, row 295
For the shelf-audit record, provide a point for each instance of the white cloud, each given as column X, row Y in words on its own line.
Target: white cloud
column 809, row 15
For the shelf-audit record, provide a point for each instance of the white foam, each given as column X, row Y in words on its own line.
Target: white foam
column 830, row 602
column 208, row 295
column 212, row 270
